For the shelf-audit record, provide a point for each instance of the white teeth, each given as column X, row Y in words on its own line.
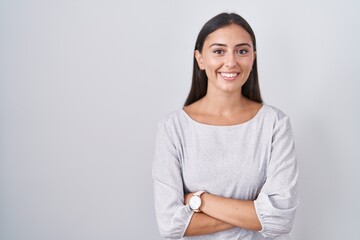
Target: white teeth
column 229, row 75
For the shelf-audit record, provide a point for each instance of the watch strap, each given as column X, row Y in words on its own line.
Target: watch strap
column 198, row 193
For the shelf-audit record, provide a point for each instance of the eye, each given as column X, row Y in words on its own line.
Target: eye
column 242, row 51
column 219, row 51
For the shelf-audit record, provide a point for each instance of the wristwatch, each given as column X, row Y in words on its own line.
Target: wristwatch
column 195, row 201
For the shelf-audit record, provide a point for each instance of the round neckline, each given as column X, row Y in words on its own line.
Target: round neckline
column 224, row 126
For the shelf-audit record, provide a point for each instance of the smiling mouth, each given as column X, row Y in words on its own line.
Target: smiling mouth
column 229, row 75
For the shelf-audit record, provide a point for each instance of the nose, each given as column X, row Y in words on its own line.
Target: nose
column 230, row 60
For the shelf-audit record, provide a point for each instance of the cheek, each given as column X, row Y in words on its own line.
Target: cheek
column 212, row 62
column 247, row 63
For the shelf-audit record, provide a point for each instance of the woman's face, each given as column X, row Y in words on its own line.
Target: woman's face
column 227, row 58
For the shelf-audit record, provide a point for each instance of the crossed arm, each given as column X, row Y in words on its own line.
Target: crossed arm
column 276, row 203
column 220, row 213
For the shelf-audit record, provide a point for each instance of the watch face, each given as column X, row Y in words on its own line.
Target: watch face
column 195, row 202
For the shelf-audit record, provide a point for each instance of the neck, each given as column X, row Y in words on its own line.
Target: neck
column 223, row 103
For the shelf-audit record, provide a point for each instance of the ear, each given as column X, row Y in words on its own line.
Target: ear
column 253, row 62
column 199, row 59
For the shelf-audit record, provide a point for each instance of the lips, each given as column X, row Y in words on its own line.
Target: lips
column 229, row 76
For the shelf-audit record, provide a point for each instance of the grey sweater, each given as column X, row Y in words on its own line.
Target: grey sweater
column 254, row 160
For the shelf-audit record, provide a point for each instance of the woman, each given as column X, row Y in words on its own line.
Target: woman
column 224, row 165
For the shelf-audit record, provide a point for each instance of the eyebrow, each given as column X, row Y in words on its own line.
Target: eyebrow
column 224, row 45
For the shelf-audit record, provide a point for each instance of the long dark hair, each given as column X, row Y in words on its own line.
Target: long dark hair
column 251, row 88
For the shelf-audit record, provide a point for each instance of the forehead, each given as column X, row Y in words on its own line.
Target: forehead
column 230, row 35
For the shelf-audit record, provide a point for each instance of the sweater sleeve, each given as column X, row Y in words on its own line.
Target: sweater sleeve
column 172, row 215
column 278, row 199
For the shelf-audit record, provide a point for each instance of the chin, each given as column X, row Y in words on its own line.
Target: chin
column 231, row 89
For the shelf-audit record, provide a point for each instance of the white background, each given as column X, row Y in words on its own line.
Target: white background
column 84, row 83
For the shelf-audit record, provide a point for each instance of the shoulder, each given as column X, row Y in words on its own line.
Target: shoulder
column 170, row 117
column 170, row 126
column 275, row 113
column 279, row 120
column 171, row 121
